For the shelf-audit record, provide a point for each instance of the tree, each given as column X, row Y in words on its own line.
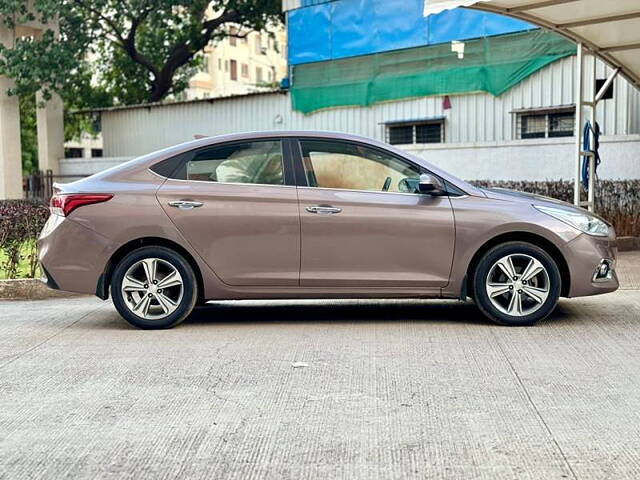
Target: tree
column 144, row 50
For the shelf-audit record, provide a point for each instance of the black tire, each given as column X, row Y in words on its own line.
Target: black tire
column 189, row 293
column 483, row 269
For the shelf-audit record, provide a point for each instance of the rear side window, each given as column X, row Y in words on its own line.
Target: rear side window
column 166, row 167
column 250, row 162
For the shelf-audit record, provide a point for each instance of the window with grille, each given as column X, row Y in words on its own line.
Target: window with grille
column 561, row 124
column 546, row 124
column 419, row 132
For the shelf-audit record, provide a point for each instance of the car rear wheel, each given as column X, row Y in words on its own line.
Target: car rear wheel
column 516, row 284
column 153, row 288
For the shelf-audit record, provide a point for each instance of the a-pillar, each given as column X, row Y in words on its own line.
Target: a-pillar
column 10, row 150
column 50, row 133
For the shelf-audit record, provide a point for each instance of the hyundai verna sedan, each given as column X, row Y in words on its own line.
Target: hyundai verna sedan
column 314, row 215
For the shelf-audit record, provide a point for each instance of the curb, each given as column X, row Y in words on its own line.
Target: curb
column 628, row 244
column 29, row 289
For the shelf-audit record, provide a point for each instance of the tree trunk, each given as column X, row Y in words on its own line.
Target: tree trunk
column 161, row 88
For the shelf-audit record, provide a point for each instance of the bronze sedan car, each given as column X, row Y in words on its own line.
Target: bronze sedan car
column 314, row 215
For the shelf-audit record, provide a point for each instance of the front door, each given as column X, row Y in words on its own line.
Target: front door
column 232, row 204
column 363, row 224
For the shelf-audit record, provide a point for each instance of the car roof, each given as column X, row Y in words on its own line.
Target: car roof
column 286, row 133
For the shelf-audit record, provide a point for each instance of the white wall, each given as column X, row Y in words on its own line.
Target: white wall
column 88, row 166
column 552, row 159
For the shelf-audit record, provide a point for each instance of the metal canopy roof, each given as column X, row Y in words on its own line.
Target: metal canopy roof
column 609, row 28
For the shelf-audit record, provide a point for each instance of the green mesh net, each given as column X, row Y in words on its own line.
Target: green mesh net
column 489, row 64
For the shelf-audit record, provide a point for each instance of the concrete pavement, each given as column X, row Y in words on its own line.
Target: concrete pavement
column 322, row 390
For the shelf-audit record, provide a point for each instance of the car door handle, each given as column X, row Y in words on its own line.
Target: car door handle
column 185, row 204
column 323, row 209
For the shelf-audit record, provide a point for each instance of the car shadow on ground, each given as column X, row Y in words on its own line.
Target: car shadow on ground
column 331, row 311
column 292, row 312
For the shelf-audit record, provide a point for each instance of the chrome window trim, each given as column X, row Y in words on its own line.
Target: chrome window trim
column 157, row 174
column 211, row 182
column 208, row 182
column 376, row 191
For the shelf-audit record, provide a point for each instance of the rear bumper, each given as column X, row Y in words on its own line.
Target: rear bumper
column 584, row 255
column 48, row 279
column 72, row 256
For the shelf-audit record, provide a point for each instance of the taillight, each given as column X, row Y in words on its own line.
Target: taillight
column 64, row 204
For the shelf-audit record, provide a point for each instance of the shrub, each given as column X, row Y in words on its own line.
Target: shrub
column 20, row 224
column 617, row 201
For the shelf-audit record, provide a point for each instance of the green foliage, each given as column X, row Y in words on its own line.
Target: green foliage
column 20, row 224
column 28, row 134
column 49, row 64
column 109, row 51
column 23, row 268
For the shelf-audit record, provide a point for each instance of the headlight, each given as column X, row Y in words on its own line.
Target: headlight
column 583, row 221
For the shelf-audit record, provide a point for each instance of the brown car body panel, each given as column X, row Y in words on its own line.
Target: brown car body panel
column 379, row 240
column 258, row 241
column 248, row 234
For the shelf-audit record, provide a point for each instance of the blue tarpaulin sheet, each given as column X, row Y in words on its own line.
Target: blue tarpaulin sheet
column 348, row 28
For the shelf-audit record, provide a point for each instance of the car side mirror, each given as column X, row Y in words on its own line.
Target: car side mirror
column 431, row 185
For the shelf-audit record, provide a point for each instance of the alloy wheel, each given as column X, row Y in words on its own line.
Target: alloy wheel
column 518, row 285
column 152, row 288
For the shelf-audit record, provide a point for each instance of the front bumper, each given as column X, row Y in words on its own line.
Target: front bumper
column 585, row 254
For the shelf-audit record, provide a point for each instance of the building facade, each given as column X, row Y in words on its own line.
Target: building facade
column 242, row 63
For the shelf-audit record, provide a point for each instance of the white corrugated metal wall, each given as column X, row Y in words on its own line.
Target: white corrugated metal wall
column 472, row 118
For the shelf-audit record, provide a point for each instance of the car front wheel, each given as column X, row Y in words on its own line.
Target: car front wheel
column 516, row 284
column 153, row 288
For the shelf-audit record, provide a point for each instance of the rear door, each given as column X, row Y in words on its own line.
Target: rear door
column 237, row 205
column 363, row 224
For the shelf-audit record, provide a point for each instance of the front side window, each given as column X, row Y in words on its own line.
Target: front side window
column 252, row 162
column 356, row 167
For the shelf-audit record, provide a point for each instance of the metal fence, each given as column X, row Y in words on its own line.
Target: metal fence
column 39, row 185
